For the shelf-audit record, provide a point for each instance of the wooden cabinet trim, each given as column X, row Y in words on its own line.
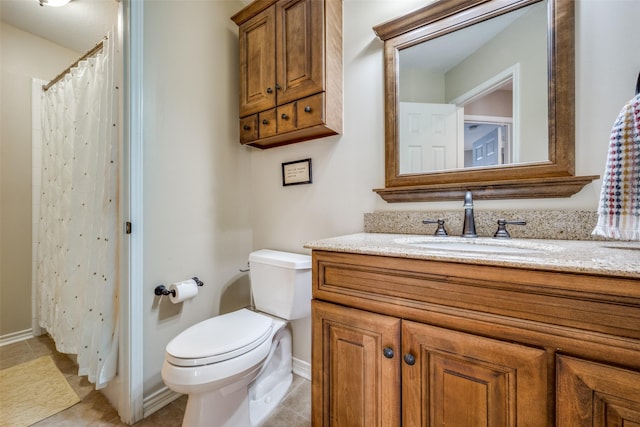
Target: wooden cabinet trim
column 577, row 334
column 618, row 290
column 479, row 296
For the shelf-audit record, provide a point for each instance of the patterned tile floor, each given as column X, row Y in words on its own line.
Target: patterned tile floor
column 94, row 409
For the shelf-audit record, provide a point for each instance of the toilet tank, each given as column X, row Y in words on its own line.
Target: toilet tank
column 281, row 283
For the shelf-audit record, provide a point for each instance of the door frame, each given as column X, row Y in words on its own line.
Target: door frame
column 130, row 368
column 489, row 85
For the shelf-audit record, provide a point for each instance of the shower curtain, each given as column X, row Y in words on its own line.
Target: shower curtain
column 76, row 261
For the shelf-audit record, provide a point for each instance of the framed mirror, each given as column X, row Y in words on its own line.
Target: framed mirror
column 479, row 96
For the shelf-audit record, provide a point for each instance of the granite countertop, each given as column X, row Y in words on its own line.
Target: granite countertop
column 610, row 258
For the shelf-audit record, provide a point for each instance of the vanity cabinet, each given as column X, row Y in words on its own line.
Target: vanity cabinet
column 290, row 71
column 408, row 342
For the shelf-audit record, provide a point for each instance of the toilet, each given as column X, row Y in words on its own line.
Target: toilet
column 237, row 367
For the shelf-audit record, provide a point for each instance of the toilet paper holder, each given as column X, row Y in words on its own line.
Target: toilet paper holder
column 162, row 289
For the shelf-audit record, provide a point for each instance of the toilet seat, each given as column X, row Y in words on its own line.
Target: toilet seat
column 219, row 338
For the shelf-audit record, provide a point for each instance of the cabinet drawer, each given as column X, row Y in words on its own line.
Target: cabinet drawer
column 287, row 118
column 310, row 111
column 248, row 129
column 267, row 122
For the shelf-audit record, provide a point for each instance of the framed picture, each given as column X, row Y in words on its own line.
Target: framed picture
column 297, row 172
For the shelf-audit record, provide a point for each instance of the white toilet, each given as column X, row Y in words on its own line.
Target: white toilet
column 236, row 368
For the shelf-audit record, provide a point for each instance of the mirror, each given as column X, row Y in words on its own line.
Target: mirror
column 479, row 96
column 462, row 101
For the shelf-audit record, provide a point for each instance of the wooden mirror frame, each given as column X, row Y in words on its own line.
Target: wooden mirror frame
column 553, row 178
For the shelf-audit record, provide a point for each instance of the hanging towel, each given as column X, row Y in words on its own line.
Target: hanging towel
column 619, row 207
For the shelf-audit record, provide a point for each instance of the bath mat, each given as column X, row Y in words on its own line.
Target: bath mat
column 33, row 391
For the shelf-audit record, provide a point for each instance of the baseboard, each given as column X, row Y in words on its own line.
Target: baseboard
column 302, row 368
column 158, row 400
column 16, row 336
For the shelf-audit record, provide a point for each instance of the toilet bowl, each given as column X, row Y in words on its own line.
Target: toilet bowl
column 237, row 367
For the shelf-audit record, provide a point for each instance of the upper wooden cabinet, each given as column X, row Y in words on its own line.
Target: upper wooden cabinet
column 290, row 71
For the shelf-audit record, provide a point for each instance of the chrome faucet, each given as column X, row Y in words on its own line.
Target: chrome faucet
column 469, row 227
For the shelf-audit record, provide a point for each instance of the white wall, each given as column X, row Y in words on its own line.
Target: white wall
column 196, row 175
column 24, row 56
column 208, row 201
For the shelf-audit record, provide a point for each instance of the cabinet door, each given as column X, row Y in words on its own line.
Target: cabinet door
column 592, row 394
column 356, row 367
column 257, row 63
column 299, row 48
column 459, row 379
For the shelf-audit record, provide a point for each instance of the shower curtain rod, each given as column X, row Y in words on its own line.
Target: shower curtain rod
column 97, row 48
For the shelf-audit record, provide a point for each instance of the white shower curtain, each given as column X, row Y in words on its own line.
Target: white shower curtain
column 77, row 272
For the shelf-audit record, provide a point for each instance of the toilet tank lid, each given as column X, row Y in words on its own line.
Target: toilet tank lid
column 281, row 259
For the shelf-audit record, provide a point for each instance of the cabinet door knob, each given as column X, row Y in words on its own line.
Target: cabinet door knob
column 409, row 359
column 278, row 87
column 307, row 109
column 388, row 352
column 246, row 127
column 284, row 116
column 265, row 122
column 269, row 90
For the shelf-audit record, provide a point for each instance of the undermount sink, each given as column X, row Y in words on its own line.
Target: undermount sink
column 477, row 245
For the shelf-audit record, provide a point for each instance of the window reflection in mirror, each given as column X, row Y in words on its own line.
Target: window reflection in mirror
column 476, row 97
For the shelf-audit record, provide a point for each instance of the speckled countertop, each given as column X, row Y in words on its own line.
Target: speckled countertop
column 611, row 258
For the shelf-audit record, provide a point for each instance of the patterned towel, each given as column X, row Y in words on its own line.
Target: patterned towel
column 619, row 207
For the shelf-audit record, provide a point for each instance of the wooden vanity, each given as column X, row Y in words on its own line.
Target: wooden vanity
column 417, row 338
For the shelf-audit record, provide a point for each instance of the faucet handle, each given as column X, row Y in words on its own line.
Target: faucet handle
column 440, row 231
column 502, row 232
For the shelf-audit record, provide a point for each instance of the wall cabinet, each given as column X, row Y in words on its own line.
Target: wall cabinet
column 290, row 71
column 402, row 342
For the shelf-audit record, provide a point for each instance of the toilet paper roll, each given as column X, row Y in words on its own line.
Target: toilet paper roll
column 184, row 290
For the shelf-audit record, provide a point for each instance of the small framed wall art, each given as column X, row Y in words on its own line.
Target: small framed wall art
column 297, row 172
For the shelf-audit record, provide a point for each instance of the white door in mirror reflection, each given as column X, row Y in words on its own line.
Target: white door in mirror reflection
column 431, row 137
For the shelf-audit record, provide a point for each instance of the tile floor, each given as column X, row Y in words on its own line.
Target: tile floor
column 94, row 410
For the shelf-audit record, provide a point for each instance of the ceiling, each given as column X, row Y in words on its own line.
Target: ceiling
column 78, row 26
column 452, row 48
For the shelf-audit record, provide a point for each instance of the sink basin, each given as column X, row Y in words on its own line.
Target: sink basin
column 477, row 245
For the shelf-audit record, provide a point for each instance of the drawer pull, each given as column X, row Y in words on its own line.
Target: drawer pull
column 284, row 116
column 265, row 122
column 246, row 127
column 307, row 109
column 409, row 359
column 388, row 352
column 269, row 90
